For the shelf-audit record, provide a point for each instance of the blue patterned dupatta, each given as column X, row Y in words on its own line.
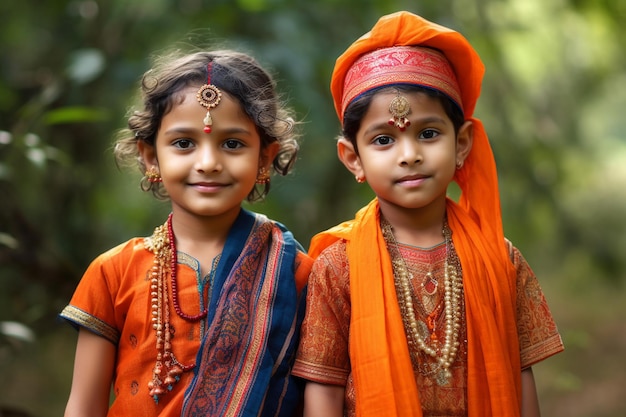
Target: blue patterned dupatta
column 244, row 361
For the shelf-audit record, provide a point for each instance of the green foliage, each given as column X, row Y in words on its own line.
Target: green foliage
column 552, row 103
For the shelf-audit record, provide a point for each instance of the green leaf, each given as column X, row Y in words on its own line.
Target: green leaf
column 75, row 115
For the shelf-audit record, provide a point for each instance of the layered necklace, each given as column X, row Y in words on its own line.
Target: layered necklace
column 421, row 336
column 167, row 369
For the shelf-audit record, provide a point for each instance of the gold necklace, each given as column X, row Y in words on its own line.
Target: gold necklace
column 167, row 369
column 442, row 354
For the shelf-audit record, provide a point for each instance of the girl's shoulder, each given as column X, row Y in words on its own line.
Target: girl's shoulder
column 132, row 251
column 130, row 247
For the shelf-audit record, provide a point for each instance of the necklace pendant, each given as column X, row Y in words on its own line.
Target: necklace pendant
column 430, row 284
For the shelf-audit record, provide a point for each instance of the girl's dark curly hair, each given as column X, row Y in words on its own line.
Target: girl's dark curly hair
column 235, row 73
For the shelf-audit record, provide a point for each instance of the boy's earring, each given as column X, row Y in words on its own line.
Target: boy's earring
column 153, row 175
column 359, row 179
column 399, row 109
column 263, row 177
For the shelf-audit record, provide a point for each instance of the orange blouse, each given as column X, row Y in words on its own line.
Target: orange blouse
column 113, row 301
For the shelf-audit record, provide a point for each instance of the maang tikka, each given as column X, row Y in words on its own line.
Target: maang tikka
column 208, row 96
column 399, row 109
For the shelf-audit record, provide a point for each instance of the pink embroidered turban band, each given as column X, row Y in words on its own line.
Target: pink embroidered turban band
column 400, row 65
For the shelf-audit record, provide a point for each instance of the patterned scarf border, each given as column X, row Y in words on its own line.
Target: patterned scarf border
column 252, row 322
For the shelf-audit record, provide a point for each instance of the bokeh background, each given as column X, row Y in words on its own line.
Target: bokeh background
column 554, row 100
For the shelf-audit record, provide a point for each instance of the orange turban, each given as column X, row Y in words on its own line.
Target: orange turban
column 404, row 28
column 381, row 365
column 401, row 65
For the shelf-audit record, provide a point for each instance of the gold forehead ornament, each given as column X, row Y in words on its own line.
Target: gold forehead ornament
column 208, row 96
column 399, row 109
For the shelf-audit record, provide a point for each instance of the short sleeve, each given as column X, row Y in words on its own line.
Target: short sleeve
column 93, row 305
column 323, row 354
column 538, row 333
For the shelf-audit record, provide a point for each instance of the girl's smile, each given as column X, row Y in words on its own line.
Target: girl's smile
column 208, row 187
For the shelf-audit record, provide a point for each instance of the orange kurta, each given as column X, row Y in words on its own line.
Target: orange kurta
column 324, row 352
column 113, row 300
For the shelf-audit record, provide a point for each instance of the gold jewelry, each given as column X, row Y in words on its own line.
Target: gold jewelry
column 263, row 177
column 208, row 96
column 399, row 109
column 167, row 370
column 153, row 175
column 430, row 286
column 421, row 334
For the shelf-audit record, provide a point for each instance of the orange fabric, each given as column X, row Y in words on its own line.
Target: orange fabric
column 112, row 300
column 399, row 65
column 323, row 356
column 382, row 368
column 404, row 28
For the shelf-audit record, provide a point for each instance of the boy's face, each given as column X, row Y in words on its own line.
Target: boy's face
column 410, row 168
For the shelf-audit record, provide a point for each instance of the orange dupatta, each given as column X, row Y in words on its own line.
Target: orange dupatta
column 383, row 376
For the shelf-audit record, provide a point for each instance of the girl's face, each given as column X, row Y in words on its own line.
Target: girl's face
column 408, row 169
column 207, row 174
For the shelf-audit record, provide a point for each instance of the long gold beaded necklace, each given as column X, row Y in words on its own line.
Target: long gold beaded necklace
column 167, row 369
column 421, row 333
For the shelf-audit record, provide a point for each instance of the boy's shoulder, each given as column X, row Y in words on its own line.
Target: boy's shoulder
column 332, row 267
column 335, row 254
column 337, row 247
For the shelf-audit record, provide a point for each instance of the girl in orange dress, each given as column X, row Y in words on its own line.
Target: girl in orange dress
column 201, row 318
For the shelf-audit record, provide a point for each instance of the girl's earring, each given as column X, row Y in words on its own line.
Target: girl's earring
column 153, row 175
column 459, row 164
column 360, row 180
column 263, row 177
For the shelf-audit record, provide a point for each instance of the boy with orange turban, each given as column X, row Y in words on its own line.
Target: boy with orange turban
column 419, row 306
